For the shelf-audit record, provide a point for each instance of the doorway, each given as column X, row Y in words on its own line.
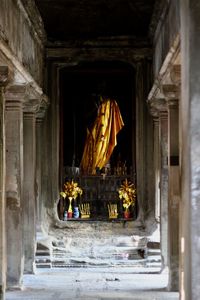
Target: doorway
column 81, row 87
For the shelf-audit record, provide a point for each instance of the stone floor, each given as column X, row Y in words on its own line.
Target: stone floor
column 93, row 283
column 99, row 263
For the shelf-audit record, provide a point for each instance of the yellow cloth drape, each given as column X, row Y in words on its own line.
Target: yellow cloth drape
column 102, row 138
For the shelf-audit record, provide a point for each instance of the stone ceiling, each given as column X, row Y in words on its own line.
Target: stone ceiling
column 91, row 19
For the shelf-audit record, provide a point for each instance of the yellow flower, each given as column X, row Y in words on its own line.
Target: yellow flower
column 127, row 192
column 71, row 190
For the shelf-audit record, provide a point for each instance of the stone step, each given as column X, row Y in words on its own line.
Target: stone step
column 44, row 265
column 42, row 253
column 42, row 256
column 136, row 253
column 114, row 260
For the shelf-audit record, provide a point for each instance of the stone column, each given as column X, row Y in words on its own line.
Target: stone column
column 14, row 178
column 163, row 137
column 174, row 194
column 29, row 196
column 190, row 163
column 141, row 140
column 157, row 168
column 39, row 158
column 38, row 171
column 171, row 93
column 3, row 81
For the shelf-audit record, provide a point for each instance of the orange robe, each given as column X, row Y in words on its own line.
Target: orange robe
column 102, row 138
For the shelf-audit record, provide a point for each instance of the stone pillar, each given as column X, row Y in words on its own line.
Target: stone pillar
column 29, row 197
column 157, row 168
column 3, row 81
column 39, row 158
column 163, row 137
column 190, row 156
column 14, row 178
column 141, row 140
column 38, row 172
column 174, row 194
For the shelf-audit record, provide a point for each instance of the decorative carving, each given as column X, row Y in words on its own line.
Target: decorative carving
column 157, row 104
column 32, row 105
column 43, row 107
column 3, row 34
column 3, row 75
column 25, row 95
column 154, row 112
column 32, row 100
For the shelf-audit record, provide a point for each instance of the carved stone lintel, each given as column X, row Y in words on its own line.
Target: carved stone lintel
column 4, row 72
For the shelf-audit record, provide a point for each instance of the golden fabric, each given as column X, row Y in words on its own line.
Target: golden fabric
column 102, row 138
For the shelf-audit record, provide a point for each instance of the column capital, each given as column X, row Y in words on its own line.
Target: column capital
column 43, row 107
column 15, row 96
column 163, row 115
column 31, row 106
column 173, row 103
column 158, row 105
column 34, row 100
column 4, row 73
column 171, row 91
column 156, row 120
column 154, row 112
column 29, row 115
column 16, row 92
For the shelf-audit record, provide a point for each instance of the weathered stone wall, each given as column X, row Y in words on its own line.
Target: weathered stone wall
column 21, row 54
column 22, row 34
column 166, row 32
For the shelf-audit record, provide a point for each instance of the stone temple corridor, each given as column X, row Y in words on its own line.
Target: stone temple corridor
column 99, row 149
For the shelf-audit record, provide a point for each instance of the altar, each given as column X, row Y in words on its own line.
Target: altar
column 100, row 196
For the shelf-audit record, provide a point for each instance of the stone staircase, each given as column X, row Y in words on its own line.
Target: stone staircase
column 137, row 254
column 43, row 256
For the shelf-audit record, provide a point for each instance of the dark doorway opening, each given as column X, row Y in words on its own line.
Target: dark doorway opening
column 80, row 89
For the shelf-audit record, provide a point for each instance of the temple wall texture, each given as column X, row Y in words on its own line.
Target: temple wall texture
column 21, row 33
column 166, row 32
